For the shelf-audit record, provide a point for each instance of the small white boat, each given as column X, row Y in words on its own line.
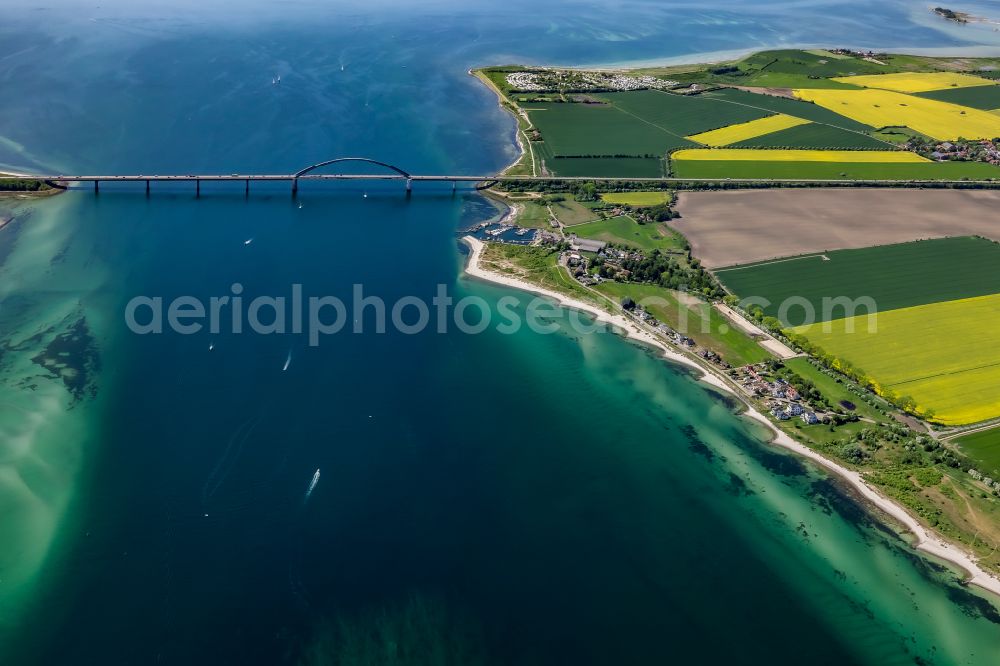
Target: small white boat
column 288, row 361
column 248, row 241
column 211, row 346
column 312, row 484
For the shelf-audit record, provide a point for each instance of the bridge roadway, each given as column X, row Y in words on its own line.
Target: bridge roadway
column 396, row 173
column 455, row 178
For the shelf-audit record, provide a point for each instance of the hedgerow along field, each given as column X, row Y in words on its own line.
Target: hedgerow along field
column 796, row 155
column 883, row 108
column 834, row 170
column 895, row 276
column 941, row 360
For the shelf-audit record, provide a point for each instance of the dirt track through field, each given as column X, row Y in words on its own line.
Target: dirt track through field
column 729, row 228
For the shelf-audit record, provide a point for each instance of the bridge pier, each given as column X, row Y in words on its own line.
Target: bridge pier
column 454, row 187
column 246, row 192
column 97, row 187
column 147, row 187
column 295, row 187
column 409, row 187
column 197, row 187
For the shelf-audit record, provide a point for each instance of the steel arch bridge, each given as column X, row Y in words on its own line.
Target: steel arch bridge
column 366, row 160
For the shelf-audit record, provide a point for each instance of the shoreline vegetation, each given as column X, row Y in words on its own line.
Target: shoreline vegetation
column 925, row 540
column 26, row 188
column 941, row 531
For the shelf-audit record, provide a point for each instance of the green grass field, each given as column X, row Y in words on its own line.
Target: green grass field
column 767, row 79
column 533, row 214
column 984, row 448
column 599, row 130
column 623, row 230
column 606, row 167
column 704, row 324
column 895, row 276
column 681, row 115
column 637, row 199
column 978, row 97
column 571, row 212
column 790, row 69
column 813, row 135
column 834, row 170
column 806, row 63
column 834, row 391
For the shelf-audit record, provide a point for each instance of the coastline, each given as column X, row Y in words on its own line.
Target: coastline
column 522, row 149
column 926, row 540
column 716, row 57
column 49, row 191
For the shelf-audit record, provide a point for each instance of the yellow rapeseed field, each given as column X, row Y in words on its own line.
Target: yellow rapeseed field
column 743, row 131
column 762, row 155
column 945, row 356
column 915, row 82
column 884, row 108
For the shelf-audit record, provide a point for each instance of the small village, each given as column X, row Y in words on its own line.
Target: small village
column 774, row 394
column 778, row 397
column 561, row 80
column 984, row 150
column 782, row 400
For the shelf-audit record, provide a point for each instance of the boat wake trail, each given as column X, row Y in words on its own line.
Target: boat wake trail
column 226, row 463
column 312, row 487
column 295, row 583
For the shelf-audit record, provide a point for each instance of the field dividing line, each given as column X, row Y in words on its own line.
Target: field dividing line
column 769, row 263
column 992, row 424
column 961, row 371
column 652, row 124
column 759, row 108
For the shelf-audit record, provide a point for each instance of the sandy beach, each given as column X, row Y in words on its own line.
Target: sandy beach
column 926, row 541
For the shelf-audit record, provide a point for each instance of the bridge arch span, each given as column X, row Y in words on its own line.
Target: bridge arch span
column 319, row 165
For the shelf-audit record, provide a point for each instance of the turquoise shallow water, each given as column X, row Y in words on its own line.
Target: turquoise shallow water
column 489, row 498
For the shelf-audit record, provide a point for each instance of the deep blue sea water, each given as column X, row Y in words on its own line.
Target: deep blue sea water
column 491, row 498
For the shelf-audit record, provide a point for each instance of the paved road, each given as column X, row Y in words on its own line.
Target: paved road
column 105, row 178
